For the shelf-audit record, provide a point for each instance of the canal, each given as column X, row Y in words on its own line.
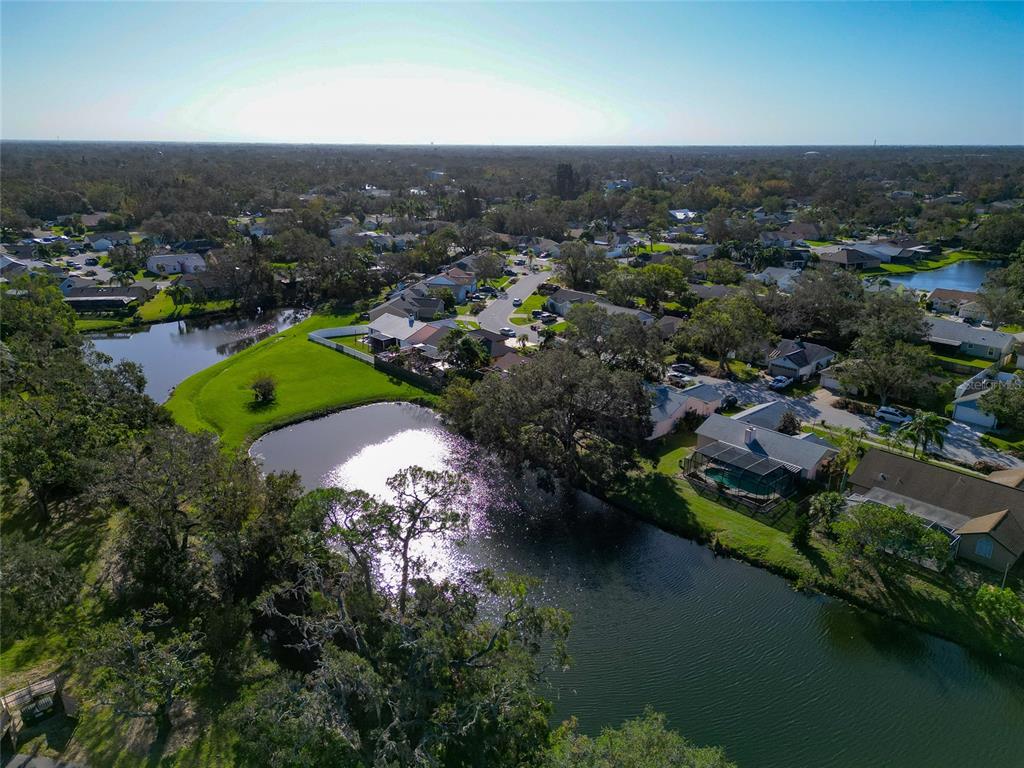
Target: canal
column 731, row 653
column 171, row 352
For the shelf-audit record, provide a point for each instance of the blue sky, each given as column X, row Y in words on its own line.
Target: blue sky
column 606, row 73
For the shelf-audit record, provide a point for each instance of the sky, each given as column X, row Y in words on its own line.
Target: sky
column 515, row 73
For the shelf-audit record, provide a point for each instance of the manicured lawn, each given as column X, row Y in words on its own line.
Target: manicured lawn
column 974, row 362
column 89, row 324
column 1012, row 328
column 1009, row 441
column 161, row 308
column 523, row 314
column 818, row 243
column 311, row 380
column 926, row 265
column 497, row 282
column 520, row 320
column 934, row 602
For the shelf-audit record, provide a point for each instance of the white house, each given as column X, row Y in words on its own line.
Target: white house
column 176, row 263
column 104, row 241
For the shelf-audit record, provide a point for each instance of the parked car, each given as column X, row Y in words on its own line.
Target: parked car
column 537, row 313
column 488, row 289
column 680, row 379
column 520, row 262
column 517, row 302
column 892, row 415
column 729, row 401
column 506, row 331
column 92, row 261
column 684, row 368
column 779, row 383
column 548, row 319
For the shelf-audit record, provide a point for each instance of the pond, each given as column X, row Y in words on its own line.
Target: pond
column 965, row 275
column 731, row 653
column 171, row 352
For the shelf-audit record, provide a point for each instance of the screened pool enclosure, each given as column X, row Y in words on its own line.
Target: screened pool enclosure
column 743, row 474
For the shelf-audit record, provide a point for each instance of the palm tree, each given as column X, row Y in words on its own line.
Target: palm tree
column 124, row 276
column 178, row 294
column 925, row 428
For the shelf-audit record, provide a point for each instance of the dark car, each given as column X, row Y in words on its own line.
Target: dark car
column 728, row 402
column 92, row 261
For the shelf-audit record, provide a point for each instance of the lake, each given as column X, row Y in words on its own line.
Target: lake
column 731, row 653
column 171, row 352
column 965, row 275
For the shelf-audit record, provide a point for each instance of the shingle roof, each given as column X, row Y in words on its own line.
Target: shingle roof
column 767, row 442
column 951, row 331
column 967, row 495
column 706, row 393
column 666, row 400
column 800, row 353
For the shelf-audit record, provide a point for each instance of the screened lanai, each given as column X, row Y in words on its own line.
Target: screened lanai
column 742, row 473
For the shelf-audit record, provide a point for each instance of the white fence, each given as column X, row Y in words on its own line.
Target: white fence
column 324, row 336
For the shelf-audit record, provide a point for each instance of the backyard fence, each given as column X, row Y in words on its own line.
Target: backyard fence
column 324, row 335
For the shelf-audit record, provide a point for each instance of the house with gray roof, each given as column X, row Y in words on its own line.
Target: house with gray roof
column 669, row 404
column 562, row 300
column 804, row 458
column 798, row 359
column 966, row 339
column 983, row 518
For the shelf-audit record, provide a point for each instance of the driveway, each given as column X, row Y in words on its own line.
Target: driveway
column 496, row 315
column 962, row 443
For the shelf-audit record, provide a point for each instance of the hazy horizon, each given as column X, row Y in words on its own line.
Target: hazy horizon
column 608, row 74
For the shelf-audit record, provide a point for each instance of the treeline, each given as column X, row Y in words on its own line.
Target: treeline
column 141, row 181
column 186, row 587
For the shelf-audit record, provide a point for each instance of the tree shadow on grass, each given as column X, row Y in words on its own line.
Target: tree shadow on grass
column 259, row 406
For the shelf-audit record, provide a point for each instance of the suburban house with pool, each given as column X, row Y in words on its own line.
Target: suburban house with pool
column 983, row 517
column 755, row 465
column 966, row 339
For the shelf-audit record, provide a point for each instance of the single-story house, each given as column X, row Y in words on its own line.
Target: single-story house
column 782, row 277
column 458, row 281
column 798, row 359
column 175, row 263
column 847, row 257
column 97, row 298
column 104, row 241
column 406, row 332
column 801, row 231
column 564, row 298
column 804, row 458
column 669, row 404
column 493, row 342
column 948, row 301
column 414, row 300
column 682, row 214
column 984, row 519
column 966, row 339
column 205, row 284
column 75, row 281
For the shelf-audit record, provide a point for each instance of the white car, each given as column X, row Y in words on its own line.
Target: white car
column 892, row 415
column 506, row 331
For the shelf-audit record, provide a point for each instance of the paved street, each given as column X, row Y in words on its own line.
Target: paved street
column 962, row 443
column 498, row 311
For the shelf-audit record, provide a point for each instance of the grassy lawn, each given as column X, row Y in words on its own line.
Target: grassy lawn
column 818, row 243
column 1012, row 328
column 497, row 282
column 938, row 603
column 926, row 265
column 523, row 314
column 161, row 308
column 1008, row 442
column 974, row 362
column 91, row 324
column 311, row 380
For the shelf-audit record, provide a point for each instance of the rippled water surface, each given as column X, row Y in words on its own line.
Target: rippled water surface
column 961, row 276
column 729, row 652
column 171, row 352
